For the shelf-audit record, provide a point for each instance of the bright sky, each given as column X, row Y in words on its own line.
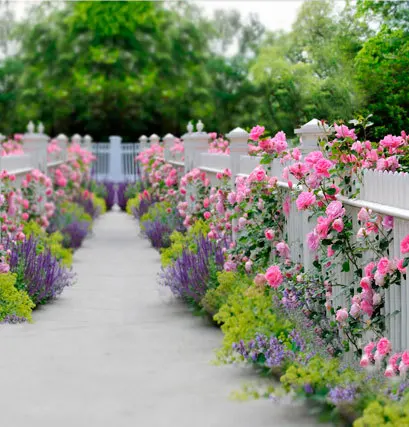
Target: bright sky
column 274, row 14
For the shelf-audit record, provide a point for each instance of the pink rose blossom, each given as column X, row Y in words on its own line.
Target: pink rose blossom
column 366, row 283
column 269, row 234
column 355, row 310
column 338, row 225
column 369, row 269
column 400, row 267
column 207, row 215
column 342, row 315
column 405, row 357
column 4, row 268
column 369, row 348
column 306, row 199
column 322, row 168
column 384, row 346
column 313, row 240
column 260, row 279
column 256, row 132
column 387, row 222
column 364, row 361
column 389, row 372
column 404, row 245
column 384, row 266
column 363, row 215
column 283, row 249
column 379, row 279
column 376, row 299
column 330, row 251
column 367, row 308
column 274, row 276
column 335, row 210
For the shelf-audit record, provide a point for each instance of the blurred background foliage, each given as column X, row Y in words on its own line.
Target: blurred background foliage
column 132, row 68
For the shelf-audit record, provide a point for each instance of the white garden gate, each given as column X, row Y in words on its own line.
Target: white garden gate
column 115, row 160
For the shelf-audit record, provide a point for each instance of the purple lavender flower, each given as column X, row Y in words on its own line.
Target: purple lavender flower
column 110, row 194
column 158, row 233
column 342, row 394
column 12, row 318
column 74, row 233
column 40, row 274
column 190, row 275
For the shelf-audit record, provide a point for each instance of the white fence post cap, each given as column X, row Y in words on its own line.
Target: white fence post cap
column 61, row 137
column 238, row 133
column 189, row 127
column 143, row 138
column 76, row 138
column 87, row 139
column 40, row 128
column 199, row 126
column 30, row 127
column 168, row 136
column 314, row 126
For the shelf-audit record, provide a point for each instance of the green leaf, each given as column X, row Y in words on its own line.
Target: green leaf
column 346, row 267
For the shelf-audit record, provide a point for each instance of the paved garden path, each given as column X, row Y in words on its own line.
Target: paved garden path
column 117, row 351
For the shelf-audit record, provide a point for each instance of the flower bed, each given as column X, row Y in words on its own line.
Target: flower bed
column 277, row 314
column 42, row 220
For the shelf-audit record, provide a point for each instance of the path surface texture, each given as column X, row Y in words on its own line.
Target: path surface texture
column 115, row 350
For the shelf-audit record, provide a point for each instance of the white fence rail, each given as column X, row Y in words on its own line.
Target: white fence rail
column 384, row 192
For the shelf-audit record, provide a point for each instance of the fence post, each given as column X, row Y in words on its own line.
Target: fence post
column 143, row 142
column 238, row 147
column 88, row 143
column 115, row 159
column 62, row 142
column 76, row 139
column 310, row 135
column 195, row 143
column 154, row 139
column 168, row 141
column 35, row 144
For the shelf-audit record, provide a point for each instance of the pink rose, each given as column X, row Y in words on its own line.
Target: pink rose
column 330, row 251
column 404, row 245
column 376, row 299
column 342, row 315
column 212, row 135
column 338, row 225
column 405, row 357
column 283, row 249
column 387, row 222
column 322, row 226
column 379, row 279
column 355, row 310
column 369, row 269
column 322, row 168
column 242, row 222
column 306, row 199
column 400, row 267
column 269, row 234
column 313, row 157
column 260, row 279
column 367, row 308
column 313, row 240
column 206, row 203
column 24, row 216
column 4, row 268
column 274, row 276
column 383, row 266
column 366, row 283
column 363, row 215
column 335, row 210
column 229, row 266
column 364, row 361
column 248, row 266
column 389, row 372
column 384, row 346
column 256, row 132
column 369, row 348
column 207, row 215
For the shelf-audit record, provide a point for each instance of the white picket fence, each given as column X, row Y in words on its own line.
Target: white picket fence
column 115, row 160
column 384, row 192
column 36, row 156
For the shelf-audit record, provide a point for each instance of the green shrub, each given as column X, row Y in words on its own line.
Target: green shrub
column 248, row 311
column 132, row 203
column 100, row 204
column 157, row 212
column 179, row 241
column 13, row 302
column 52, row 241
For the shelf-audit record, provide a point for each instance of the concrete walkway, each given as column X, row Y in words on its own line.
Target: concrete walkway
column 115, row 351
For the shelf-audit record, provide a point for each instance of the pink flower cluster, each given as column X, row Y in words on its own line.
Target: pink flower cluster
column 218, row 144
